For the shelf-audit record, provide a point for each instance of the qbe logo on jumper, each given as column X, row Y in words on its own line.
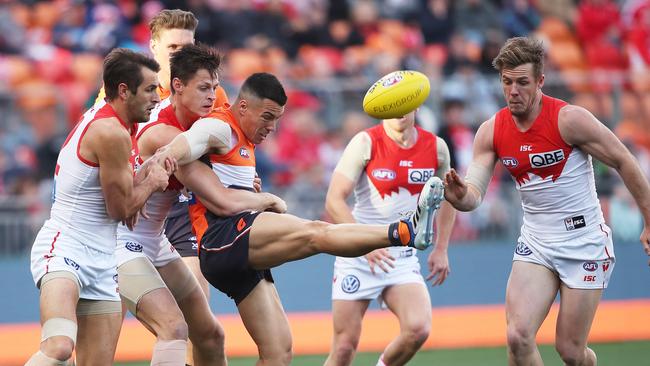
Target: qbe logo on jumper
column 420, row 176
column 544, row 159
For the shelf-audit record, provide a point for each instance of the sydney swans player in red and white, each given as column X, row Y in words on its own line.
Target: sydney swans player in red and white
column 546, row 145
column 73, row 256
column 386, row 167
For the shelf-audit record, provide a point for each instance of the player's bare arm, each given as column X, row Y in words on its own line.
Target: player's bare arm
column 346, row 174
column 467, row 194
column 198, row 177
column 207, row 135
column 109, row 144
column 580, row 128
column 201, row 180
column 438, row 260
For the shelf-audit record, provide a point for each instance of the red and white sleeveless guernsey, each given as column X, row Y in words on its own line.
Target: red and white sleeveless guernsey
column 555, row 180
column 79, row 207
column 389, row 186
column 147, row 238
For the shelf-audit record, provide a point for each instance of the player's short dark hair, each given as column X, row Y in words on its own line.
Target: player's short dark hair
column 122, row 65
column 518, row 51
column 264, row 86
column 191, row 58
column 172, row 19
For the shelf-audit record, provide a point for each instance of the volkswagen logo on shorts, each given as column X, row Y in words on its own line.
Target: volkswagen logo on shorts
column 115, row 278
column 134, row 247
column 71, row 263
column 590, row 266
column 523, row 250
column 350, row 284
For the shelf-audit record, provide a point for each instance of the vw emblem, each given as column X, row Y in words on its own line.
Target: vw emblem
column 350, row 284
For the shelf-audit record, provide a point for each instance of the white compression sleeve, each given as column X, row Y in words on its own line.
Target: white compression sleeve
column 205, row 134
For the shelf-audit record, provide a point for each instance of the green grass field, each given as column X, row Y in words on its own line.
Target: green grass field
column 609, row 354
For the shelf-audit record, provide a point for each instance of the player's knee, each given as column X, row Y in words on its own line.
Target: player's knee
column 416, row 335
column 520, row 340
column 315, row 234
column 277, row 356
column 571, row 353
column 344, row 351
column 212, row 337
column 174, row 329
column 59, row 348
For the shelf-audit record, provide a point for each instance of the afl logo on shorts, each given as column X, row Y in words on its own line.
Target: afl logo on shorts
column 383, row 174
column 243, row 152
column 134, row 247
column 71, row 263
column 115, row 278
column 350, row 284
column 590, row 266
column 523, row 250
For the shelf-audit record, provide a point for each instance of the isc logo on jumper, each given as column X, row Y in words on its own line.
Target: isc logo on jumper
column 509, row 162
column 383, row 174
column 420, row 176
column 549, row 158
column 575, row 222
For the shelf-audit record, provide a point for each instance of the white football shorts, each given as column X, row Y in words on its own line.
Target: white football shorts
column 157, row 249
column 95, row 271
column 358, row 283
column 584, row 262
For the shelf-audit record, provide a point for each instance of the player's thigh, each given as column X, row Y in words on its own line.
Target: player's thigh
column 97, row 338
column 577, row 311
column 59, row 297
column 195, row 267
column 530, row 292
column 264, row 318
column 347, row 319
column 278, row 238
column 411, row 304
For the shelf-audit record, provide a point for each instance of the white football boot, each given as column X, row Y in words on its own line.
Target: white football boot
column 432, row 194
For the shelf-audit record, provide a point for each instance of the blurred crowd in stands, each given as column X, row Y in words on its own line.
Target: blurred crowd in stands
column 328, row 53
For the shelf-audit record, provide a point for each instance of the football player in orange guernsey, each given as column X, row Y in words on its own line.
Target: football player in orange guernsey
column 237, row 252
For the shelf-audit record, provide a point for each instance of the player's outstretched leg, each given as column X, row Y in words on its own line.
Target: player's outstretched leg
column 432, row 194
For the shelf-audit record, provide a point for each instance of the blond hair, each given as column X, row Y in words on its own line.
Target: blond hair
column 172, row 19
column 519, row 51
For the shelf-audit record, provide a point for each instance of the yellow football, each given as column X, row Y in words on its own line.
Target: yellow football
column 396, row 94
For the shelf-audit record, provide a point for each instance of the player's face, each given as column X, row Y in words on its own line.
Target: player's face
column 168, row 42
column 197, row 95
column 521, row 88
column 259, row 117
column 146, row 97
column 401, row 124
